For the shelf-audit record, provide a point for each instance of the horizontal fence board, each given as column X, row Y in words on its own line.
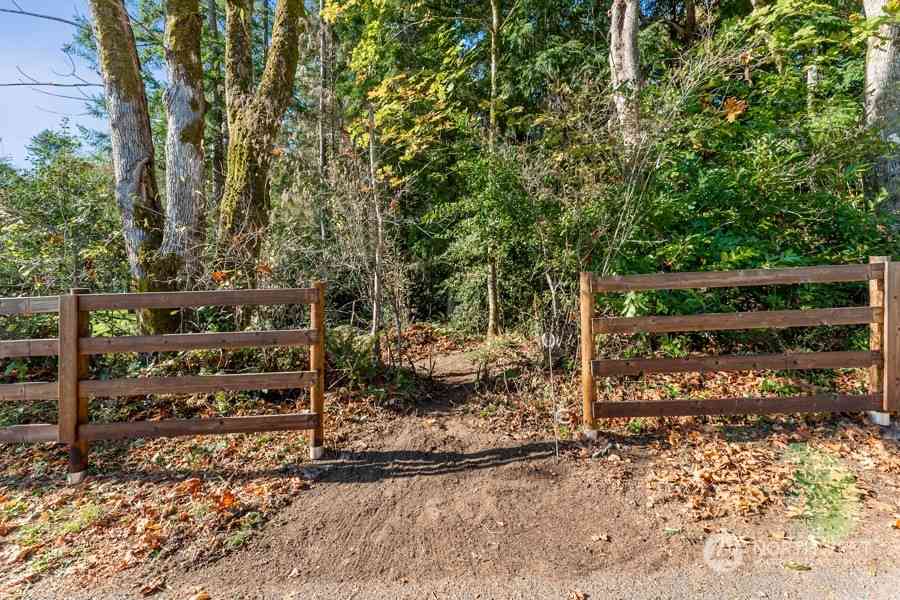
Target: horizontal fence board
column 197, row 384
column 178, row 427
column 739, row 406
column 198, row 341
column 197, row 299
column 759, row 362
column 29, row 306
column 11, row 392
column 746, row 320
column 29, row 433
column 29, row 348
column 747, row 277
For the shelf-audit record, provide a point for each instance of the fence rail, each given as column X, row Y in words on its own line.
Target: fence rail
column 75, row 345
column 882, row 315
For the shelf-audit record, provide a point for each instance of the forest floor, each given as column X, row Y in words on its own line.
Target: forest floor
column 455, row 495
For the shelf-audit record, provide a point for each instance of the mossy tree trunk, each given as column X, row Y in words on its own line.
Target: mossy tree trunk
column 184, row 137
column 133, row 156
column 254, row 118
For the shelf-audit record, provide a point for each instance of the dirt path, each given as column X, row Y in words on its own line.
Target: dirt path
column 436, row 508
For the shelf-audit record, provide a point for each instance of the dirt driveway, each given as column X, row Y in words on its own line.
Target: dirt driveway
column 435, row 507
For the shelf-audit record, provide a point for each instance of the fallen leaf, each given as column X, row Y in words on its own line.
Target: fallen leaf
column 795, row 566
column 152, row 587
column 225, row 501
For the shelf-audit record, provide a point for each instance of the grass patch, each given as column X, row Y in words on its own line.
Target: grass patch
column 826, row 496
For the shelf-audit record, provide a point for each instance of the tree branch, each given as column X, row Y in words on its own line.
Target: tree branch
column 18, row 11
column 238, row 54
column 277, row 80
column 50, row 84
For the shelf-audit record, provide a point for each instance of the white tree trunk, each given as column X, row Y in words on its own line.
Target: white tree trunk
column 184, row 136
column 133, row 157
column 130, row 137
column 882, row 101
column 624, row 65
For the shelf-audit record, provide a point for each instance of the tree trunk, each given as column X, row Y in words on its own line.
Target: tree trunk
column 323, row 112
column 184, row 137
column 495, row 31
column 377, row 284
column 812, row 82
column 265, row 28
column 493, row 325
column 323, row 87
column 217, row 108
column 254, row 120
column 493, row 328
column 133, row 157
column 624, row 64
column 690, row 21
column 883, row 102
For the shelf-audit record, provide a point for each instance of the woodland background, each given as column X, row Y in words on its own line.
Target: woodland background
column 462, row 161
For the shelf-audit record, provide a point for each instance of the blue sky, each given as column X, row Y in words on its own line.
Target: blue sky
column 34, row 45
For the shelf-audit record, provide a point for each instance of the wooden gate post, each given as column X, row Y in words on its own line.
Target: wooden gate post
column 891, row 340
column 588, row 391
column 876, row 337
column 73, row 410
column 317, row 364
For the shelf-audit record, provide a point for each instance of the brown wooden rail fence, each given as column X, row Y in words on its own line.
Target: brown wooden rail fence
column 882, row 315
column 75, row 345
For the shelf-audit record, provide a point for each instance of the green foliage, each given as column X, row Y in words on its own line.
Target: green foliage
column 59, row 226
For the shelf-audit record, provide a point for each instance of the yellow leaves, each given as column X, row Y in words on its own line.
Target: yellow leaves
column 734, row 108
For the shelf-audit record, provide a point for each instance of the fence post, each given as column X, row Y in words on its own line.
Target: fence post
column 876, row 338
column 317, row 364
column 891, row 338
column 588, row 392
column 73, row 324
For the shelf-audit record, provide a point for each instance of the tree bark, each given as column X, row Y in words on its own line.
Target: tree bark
column 495, row 31
column 493, row 325
column 690, row 21
column 184, row 103
column 265, row 27
column 254, row 120
column 624, row 64
column 493, row 298
column 323, row 88
column 136, row 191
column 323, row 112
column 882, row 102
column 377, row 284
column 216, row 108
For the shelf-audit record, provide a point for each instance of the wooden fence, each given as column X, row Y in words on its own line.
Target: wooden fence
column 75, row 345
column 882, row 315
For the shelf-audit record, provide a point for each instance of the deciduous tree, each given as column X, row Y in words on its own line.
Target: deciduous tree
column 254, row 120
